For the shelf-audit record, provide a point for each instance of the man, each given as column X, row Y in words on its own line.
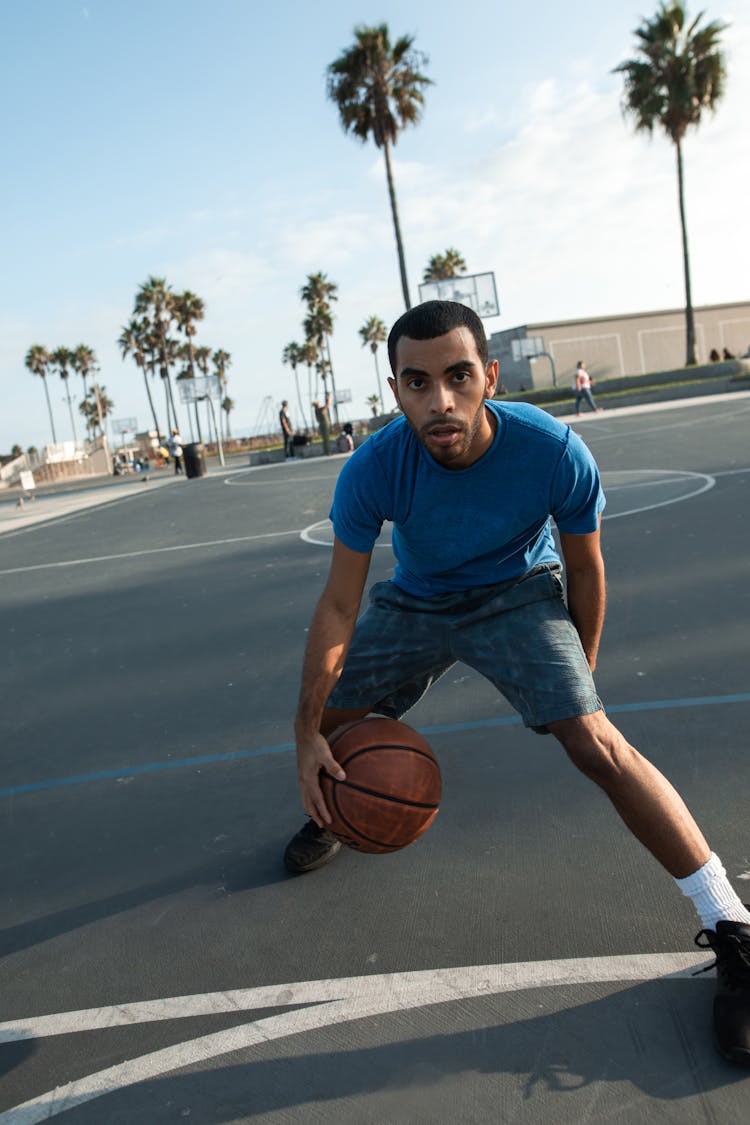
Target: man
column 323, row 418
column 345, row 440
column 470, row 486
column 174, row 445
column 582, row 388
column 286, row 430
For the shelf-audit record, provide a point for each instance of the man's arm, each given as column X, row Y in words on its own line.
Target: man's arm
column 328, row 642
column 584, row 570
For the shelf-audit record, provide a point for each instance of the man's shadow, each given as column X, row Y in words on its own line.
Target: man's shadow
column 233, row 873
column 602, row 1059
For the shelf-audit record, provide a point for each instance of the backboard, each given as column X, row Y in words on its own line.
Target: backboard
column 475, row 290
column 527, row 348
column 195, row 390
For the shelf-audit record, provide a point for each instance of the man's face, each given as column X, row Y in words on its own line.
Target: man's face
column 441, row 385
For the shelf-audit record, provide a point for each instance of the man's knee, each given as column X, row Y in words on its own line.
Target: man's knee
column 596, row 748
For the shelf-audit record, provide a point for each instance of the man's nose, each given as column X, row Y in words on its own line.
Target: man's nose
column 442, row 399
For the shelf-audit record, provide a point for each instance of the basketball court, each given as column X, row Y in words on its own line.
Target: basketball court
column 524, row 960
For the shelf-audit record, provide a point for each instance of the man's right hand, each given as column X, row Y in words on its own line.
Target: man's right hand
column 313, row 755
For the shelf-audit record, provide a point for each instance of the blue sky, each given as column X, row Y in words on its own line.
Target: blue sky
column 193, row 140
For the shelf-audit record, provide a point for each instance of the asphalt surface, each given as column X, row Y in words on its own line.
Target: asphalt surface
column 525, row 960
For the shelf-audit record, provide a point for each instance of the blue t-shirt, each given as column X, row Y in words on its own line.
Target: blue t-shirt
column 454, row 529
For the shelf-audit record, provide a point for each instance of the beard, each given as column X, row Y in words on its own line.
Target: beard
column 465, row 435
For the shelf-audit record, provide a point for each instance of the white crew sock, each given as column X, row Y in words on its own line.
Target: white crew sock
column 712, row 894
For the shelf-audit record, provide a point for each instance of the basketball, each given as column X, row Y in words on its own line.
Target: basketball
column 392, row 789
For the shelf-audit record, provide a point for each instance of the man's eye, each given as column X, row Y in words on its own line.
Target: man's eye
column 415, row 384
column 461, row 376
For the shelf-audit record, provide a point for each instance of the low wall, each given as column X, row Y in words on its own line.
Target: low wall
column 633, row 390
column 312, row 449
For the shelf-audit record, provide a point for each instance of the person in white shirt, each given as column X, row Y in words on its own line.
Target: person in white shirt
column 583, row 389
column 174, row 445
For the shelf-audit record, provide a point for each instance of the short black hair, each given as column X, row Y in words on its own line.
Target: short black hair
column 433, row 319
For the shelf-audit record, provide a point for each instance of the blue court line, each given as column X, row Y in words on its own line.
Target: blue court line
column 443, row 728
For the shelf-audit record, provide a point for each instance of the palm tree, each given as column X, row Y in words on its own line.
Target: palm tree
column 38, row 360
column 132, row 341
column 318, row 293
column 187, row 309
column 374, row 332
column 202, row 357
column 84, row 362
column 680, row 72
column 221, row 361
column 377, row 87
column 227, row 405
column 155, row 302
column 443, row 266
column 308, row 355
column 318, row 324
column 63, row 359
column 96, row 407
column 292, row 354
column 318, row 290
column 372, row 401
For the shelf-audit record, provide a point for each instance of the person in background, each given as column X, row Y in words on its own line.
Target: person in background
column 286, row 430
column 323, row 418
column 174, row 445
column 583, row 389
column 345, row 440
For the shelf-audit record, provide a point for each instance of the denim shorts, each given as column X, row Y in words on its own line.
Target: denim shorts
column 517, row 633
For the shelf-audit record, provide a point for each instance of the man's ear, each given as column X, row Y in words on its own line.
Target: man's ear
column 491, row 373
column 392, row 384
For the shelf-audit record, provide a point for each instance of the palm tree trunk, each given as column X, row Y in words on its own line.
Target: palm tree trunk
column 299, row 397
column 84, row 397
column 166, row 399
column 309, row 391
column 171, row 399
column 70, row 411
column 151, row 402
column 49, row 410
column 333, row 381
column 689, row 321
column 396, row 226
column 377, row 374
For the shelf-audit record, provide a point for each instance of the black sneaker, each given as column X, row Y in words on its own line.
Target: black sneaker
column 311, row 848
column 730, row 942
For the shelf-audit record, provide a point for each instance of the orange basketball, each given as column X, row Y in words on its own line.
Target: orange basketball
column 392, row 789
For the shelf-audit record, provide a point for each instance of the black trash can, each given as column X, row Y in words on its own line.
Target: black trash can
column 194, row 459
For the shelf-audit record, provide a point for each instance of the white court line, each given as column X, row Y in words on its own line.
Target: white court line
column 334, row 1001
column 315, row 533
column 646, row 431
column 708, row 483
column 308, row 534
column 279, row 480
column 149, row 551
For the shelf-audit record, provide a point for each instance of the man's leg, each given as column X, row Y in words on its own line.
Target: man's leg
column 650, row 806
column 659, row 818
column 399, row 649
column 313, row 847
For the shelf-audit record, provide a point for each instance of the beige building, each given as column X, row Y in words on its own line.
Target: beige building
column 630, row 344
